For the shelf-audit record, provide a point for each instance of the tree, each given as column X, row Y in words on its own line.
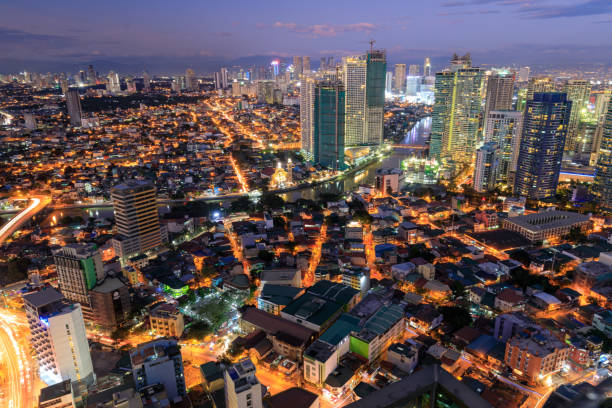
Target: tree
column 265, row 256
column 520, row 255
column 458, row 289
column 363, row 217
column 457, row 316
column 273, row 201
column 242, row 204
column 576, row 235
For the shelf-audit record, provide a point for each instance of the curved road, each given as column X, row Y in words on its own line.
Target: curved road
column 37, row 204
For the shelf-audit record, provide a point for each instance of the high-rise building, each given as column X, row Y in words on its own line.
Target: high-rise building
column 431, row 386
column 91, row 75
column 57, row 335
column 578, row 91
column 146, row 81
column 602, row 102
column 297, row 66
column 73, row 105
column 305, row 65
column 224, row 78
column 427, row 67
column 242, row 388
column 500, row 89
column 136, row 218
column 603, row 171
column 413, row 85
column 456, row 114
column 399, row 84
column 190, row 80
column 504, row 128
column 79, row 267
column 389, row 82
column 328, row 118
column 539, row 85
column 114, row 85
column 414, row 70
column 542, row 143
column 58, row 395
column 485, row 170
column 159, row 362
column 364, row 82
column 307, row 97
column 523, row 74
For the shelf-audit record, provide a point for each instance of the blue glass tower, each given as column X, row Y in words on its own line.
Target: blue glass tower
column 542, row 143
column 328, row 118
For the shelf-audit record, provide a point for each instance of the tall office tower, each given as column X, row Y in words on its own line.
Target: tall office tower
column 323, row 64
column 456, row 114
column 364, row 82
column 242, row 388
column 64, row 86
column 218, row 81
column 224, row 78
column 57, row 335
column 82, row 77
column 523, row 74
column 485, row 171
column 79, row 268
column 297, row 66
column 603, row 170
column 500, row 89
column 136, row 219
column 427, row 67
column 190, row 80
column 130, row 84
column 159, row 362
column 413, row 85
column 539, row 85
column 330, row 62
column 146, row 81
column 504, row 129
column 542, row 143
column 578, row 91
column 114, row 86
column 305, row 65
column 307, row 98
column 414, row 70
column 399, row 85
column 73, row 105
column 91, row 75
column 601, row 108
column 329, row 105
column 389, row 82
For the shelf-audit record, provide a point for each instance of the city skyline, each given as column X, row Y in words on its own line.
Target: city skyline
column 34, row 34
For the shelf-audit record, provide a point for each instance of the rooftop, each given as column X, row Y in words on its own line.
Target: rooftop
column 547, row 219
column 312, row 308
column 44, row 297
column 55, row 391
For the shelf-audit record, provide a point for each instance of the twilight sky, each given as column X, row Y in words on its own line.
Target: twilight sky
column 519, row 31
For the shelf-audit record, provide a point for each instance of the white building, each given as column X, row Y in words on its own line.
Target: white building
column 57, row 335
column 307, row 97
column 242, row 388
column 504, row 128
column 486, row 167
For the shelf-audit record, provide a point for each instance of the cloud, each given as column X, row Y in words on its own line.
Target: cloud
column 326, row 30
column 18, row 38
column 537, row 9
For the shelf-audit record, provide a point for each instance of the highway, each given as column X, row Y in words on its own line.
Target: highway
column 37, row 204
column 21, row 390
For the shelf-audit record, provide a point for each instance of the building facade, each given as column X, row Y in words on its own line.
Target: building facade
column 603, row 170
column 542, row 142
column 485, row 171
column 329, row 125
column 242, row 388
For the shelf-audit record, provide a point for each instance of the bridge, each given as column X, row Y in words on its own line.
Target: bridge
column 411, row 147
column 37, row 204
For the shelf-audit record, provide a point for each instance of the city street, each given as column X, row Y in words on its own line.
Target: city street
column 37, row 204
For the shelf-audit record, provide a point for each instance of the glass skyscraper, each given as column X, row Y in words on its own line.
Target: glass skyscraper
column 364, row 81
column 603, row 171
column 542, row 142
column 456, row 114
column 329, row 100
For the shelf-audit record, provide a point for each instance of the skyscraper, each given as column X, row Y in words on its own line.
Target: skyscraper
column 57, row 335
column 389, row 82
column 91, row 75
column 427, row 67
column 542, row 143
column 364, row 82
column 307, row 97
column 329, row 105
column 486, row 167
column 305, row 65
column 578, row 91
column 73, row 105
column 114, row 85
column 504, row 128
column 456, row 113
column 539, row 84
column 146, row 80
column 603, row 171
column 400, row 78
column 523, row 74
column 190, row 80
column 159, row 362
column 79, row 268
column 136, row 218
column 601, row 109
column 242, row 388
column 224, row 78
column 500, row 88
column 297, row 66
column 414, row 70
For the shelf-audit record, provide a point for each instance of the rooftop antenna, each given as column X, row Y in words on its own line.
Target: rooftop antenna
column 372, row 46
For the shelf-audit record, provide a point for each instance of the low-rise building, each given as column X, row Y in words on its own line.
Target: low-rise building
column 167, row 321
column 547, row 225
column 58, row 395
column 403, row 356
column 380, row 330
column 273, row 298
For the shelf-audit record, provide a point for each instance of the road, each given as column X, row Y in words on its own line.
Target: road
column 21, row 388
column 37, row 204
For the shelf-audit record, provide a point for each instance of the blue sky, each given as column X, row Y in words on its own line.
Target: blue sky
column 81, row 30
